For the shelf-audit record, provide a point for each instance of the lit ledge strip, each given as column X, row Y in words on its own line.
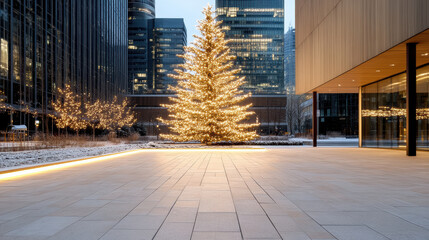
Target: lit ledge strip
column 21, row 172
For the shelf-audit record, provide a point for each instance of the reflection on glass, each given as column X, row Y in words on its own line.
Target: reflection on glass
column 255, row 29
column 4, row 60
column 384, row 112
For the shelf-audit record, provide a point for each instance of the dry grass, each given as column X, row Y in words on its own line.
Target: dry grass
column 63, row 141
column 133, row 137
column 41, row 141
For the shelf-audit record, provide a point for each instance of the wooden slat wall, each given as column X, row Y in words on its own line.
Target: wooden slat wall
column 334, row 36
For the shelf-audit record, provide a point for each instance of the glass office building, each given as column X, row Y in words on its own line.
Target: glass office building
column 167, row 40
column 384, row 111
column 256, row 31
column 139, row 14
column 46, row 44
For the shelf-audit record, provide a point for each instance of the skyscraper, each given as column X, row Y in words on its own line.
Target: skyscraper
column 167, row 39
column 139, row 14
column 47, row 44
column 256, row 31
column 154, row 44
column 290, row 61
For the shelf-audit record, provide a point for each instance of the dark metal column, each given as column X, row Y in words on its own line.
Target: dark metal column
column 360, row 118
column 315, row 131
column 411, row 100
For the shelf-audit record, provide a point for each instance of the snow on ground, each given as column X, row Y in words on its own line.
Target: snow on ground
column 34, row 157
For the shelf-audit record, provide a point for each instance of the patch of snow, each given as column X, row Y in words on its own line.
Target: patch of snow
column 34, row 157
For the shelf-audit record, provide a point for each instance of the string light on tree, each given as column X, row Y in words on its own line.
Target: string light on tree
column 116, row 115
column 69, row 110
column 207, row 107
column 94, row 113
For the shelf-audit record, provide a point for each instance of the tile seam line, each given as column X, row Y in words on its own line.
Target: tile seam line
column 269, row 219
column 356, row 225
column 396, row 215
column 199, row 201
column 181, row 192
column 233, row 202
column 272, row 223
column 308, row 214
column 153, row 190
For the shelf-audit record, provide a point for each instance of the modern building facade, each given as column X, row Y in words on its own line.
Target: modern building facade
column 47, row 44
column 378, row 49
column 338, row 112
column 140, row 12
column 256, row 31
column 290, row 61
column 167, row 39
column 153, row 46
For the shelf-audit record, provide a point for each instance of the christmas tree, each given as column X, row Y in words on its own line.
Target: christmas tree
column 207, row 107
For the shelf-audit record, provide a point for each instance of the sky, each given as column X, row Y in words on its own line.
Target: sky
column 190, row 10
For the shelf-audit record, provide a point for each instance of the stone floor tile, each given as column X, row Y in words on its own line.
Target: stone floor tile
column 187, row 204
column 257, row 226
column 45, row 227
column 128, row 234
column 140, row 222
column 354, row 233
column 111, row 211
column 250, row 207
column 216, row 236
column 84, row 230
column 294, row 236
column 173, row 230
column 216, row 222
column 284, row 224
column 216, row 201
column 159, row 211
column 182, row 214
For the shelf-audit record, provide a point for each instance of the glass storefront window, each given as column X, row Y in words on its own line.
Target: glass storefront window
column 384, row 112
column 423, row 108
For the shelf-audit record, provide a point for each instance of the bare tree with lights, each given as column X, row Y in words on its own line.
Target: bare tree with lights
column 116, row 115
column 69, row 110
column 207, row 107
column 93, row 114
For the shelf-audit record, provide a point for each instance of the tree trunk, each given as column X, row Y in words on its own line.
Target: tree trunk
column 45, row 126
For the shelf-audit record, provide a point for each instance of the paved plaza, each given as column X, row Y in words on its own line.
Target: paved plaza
column 295, row 193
